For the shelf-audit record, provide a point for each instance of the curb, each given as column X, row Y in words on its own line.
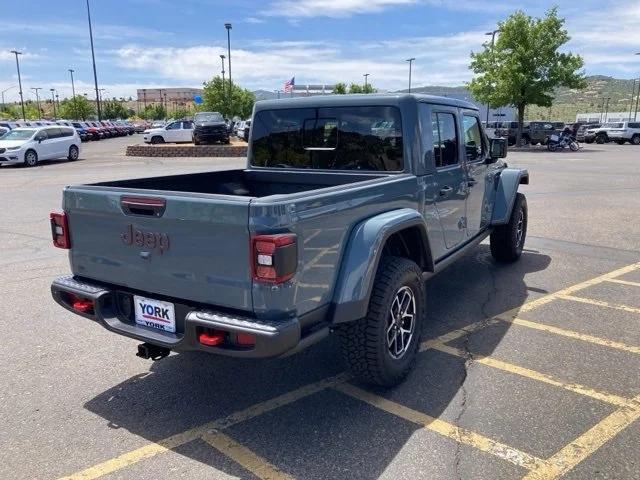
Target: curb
column 187, row 150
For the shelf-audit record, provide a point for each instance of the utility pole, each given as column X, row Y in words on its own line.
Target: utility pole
column 16, row 53
column 37, row 100
column 601, row 109
column 93, row 59
column 73, row 92
column 410, row 60
column 53, row 101
column 633, row 93
column 226, row 101
column 366, row 75
column 58, row 100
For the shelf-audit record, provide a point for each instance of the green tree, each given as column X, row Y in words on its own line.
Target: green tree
column 12, row 112
column 154, row 112
column 181, row 112
column 525, row 66
column 114, row 109
column 216, row 98
column 340, row 88
column 77, row 108
column 355, row 88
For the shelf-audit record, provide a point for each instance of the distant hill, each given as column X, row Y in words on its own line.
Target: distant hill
column 567, row 101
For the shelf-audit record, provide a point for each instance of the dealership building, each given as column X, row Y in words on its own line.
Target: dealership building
column 178, row 95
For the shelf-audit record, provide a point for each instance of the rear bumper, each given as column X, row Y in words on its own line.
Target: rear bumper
column 273, row 338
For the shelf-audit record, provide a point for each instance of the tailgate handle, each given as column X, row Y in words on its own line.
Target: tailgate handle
column 147, row 206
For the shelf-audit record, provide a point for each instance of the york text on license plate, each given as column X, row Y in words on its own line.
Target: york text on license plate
column 155, row 314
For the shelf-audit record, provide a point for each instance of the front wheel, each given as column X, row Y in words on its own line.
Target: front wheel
column 635, row 140
column 381, row 347
column 574, row 146
column 31, row 158
column 156, row 140
column 507, row 241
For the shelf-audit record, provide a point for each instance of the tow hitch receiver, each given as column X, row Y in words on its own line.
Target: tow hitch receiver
column 154, row 352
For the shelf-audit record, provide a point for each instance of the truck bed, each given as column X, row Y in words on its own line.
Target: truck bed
column 242, row 183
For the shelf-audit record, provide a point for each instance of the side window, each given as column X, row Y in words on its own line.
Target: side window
column 473, row 144
column 53, row 132
column 445, row 139
column 41, row 135
column 187, row 125
column 174, row 126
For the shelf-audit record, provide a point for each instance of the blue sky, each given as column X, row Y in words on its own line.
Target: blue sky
column 166, row 43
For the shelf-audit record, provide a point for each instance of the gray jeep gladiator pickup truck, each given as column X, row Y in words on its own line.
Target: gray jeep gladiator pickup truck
column 347, row 204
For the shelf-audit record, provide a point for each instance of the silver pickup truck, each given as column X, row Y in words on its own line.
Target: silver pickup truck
column 346, row 206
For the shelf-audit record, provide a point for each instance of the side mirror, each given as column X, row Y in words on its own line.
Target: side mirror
column 497, row 148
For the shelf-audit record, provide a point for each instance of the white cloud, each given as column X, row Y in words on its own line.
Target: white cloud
column 341, row 8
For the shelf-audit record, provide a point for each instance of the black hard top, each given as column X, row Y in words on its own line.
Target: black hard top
column 360, row 100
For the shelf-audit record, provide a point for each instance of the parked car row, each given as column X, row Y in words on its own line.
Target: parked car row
column 619, row 132
column 87, row 130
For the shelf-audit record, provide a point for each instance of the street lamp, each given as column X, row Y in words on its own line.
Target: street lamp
column 366, row 75
column 228, row 27
column 606, row 109
column 37, row 100
column 16, row 53
column 53, row 101
column 73, row 93
column 14, row 86
column 491, row 34
column 93, row 59
column 410, row 60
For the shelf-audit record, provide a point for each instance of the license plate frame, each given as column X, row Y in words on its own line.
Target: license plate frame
column 155, row 314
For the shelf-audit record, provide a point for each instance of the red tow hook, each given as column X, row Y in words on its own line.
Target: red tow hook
column 80, row 304
column 211, row 338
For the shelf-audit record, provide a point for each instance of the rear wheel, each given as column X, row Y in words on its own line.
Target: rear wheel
column 381, row 347
column 574, row 146
column 156, row 140
column 552, row 147
column 507, row 241
column 30, row 158
column 74, row 153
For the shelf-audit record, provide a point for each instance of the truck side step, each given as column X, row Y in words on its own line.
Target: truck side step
column 153, row 352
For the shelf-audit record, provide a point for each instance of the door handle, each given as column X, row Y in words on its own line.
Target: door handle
column 445, row 191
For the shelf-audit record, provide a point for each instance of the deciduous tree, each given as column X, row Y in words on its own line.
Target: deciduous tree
column 216, row 98
column 525, row 64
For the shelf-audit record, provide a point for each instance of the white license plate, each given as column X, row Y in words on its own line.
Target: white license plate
column 155, row 314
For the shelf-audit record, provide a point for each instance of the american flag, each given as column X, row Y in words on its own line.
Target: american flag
column 288, row 85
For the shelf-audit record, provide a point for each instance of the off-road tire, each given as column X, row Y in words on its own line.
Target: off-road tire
column 600, row 139
column 635, row 140
column 30, row 158
column 74, row 153
column 506, row 243
column 364, row 342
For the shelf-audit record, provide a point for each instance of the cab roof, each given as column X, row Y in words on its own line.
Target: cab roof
column 361, row 100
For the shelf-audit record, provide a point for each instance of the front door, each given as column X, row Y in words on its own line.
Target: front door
column 451, row 191
column 172, row 132
column 479, row 180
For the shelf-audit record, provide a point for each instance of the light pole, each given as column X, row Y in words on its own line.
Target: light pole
column 35, row 89
column 16, row 53
column 222, row 57
column 228, row 27
column 14, row 86
column 53, row 101
column 492, row 34
column 410, row 60
column 93, row 59
column 633, row 94
column 73, row 93
column 635, row 113
column 606, row 109
column 366, row 75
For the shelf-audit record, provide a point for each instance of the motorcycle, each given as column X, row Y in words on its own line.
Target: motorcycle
column 556, row 142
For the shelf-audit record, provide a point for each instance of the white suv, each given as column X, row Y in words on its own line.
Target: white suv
column 625, row 132
column 175, row 132
column 30, row 145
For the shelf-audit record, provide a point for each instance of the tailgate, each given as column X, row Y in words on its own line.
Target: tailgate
column 188, row 246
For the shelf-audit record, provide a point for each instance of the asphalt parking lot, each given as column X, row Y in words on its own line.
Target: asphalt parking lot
column 526, row 371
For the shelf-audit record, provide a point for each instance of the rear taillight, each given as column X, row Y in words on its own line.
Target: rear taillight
column 274, row 257
column 60, row 230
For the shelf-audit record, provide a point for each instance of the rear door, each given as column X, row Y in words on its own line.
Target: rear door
column 451, row 177
column 186, row 130
column 177, row 245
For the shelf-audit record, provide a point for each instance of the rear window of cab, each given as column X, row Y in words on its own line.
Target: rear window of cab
column 329, row 138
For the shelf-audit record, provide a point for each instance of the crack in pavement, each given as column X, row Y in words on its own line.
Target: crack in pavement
column 468, row 363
